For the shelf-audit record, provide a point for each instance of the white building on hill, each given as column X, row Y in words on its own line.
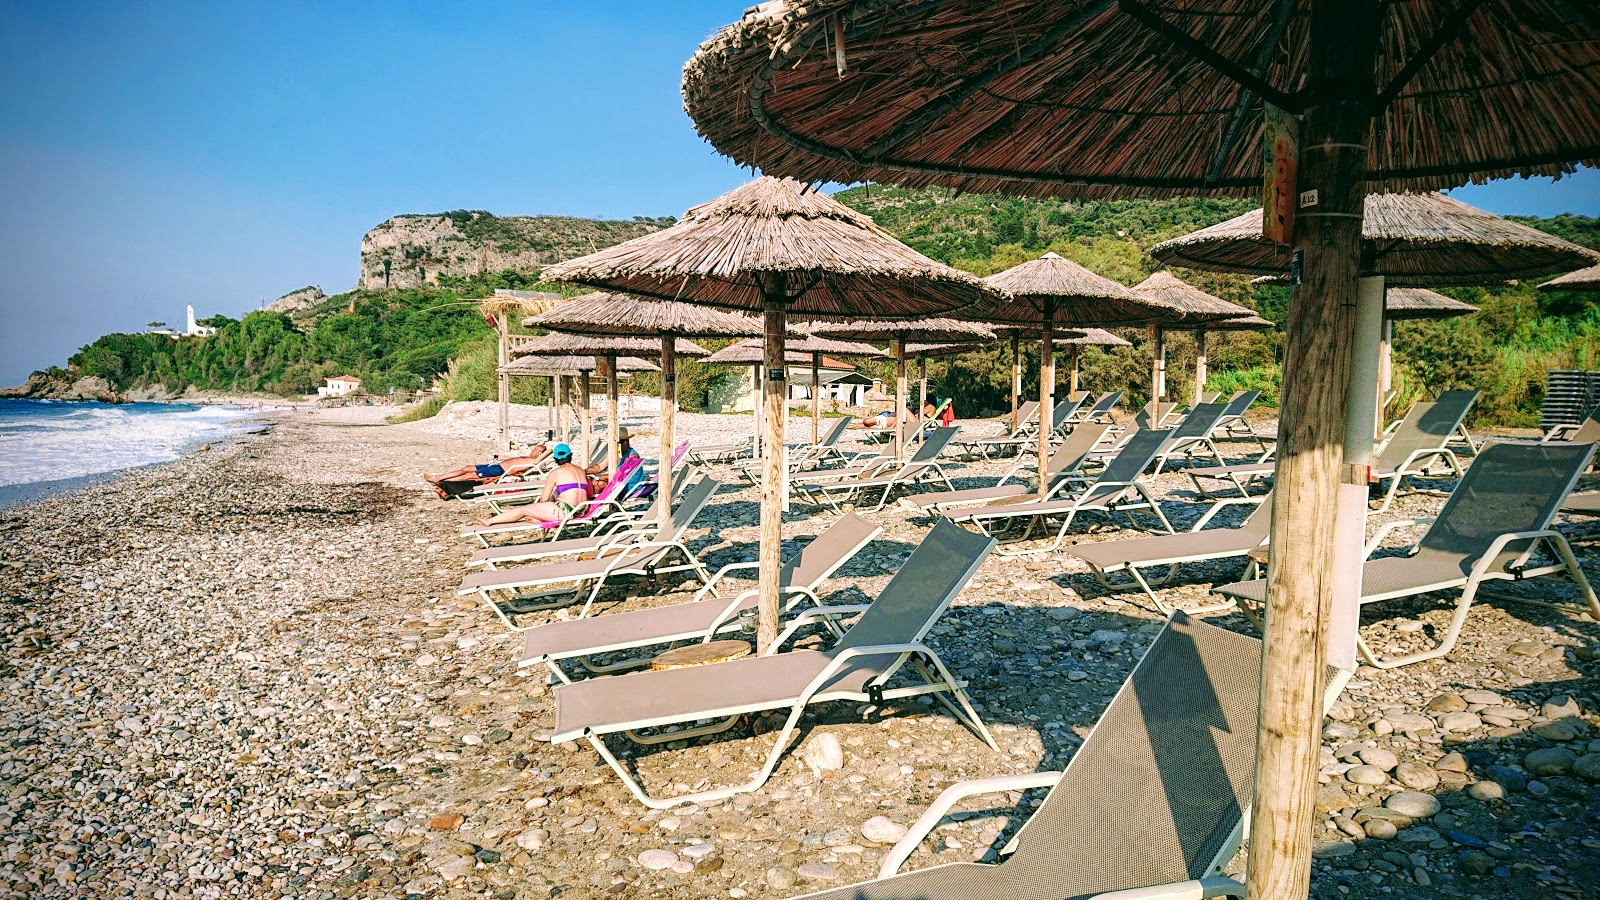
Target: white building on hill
column 194, row 329
column 339, row 385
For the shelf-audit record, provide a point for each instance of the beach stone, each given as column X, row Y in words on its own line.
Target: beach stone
column 1379, row 758
column 533, row 839
column 1482, row 697
column 1550, row 761
column 1331, row 849
column 1452, row 762
column 1381, row 829
column 446, row 821
column 818, row 871
column 698, row 851
column 1561, row 730
column 1366, row 775
column 823, row 753
column 456, row 868
column 1459, row 721
column 779, row 878
column 1475, row 863
column 1407, row 721
column 1445, row 703
column 1416, row 776
column 1510, row 778
column 1415, row 804
column 1419, row 834
column 1526, row 648
column 656, row 860
column 1486, row 791
column 882, row 830
column 1560, row 706
column 1587, row 767
column 1331, row 798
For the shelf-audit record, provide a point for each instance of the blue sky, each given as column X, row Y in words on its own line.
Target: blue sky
column 221, row 154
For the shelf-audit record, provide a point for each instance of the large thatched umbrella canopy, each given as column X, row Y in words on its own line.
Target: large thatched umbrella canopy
column 779, row 247
column 1582, row 280
column 1133, row 98
column 607, row 348
column 900, row 333
column 498, row 308
column 571, row 365
column 1191, row 308
column 1409, row 239
column 1420, row 303
column 542, row 357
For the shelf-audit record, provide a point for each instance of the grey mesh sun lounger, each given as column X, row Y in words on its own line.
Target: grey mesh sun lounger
column 1585, row 432
column 1100, row 411
column 1115, row 490
column 1176, row 747
column 503, row 589
column 712, row 454
column 1027, row 438
column 700, row 619
column 1232, row 424
column 1173, row 550
column 1192, row 437
column 1064, row 464
column 922, row 467
column 885, row 641
column 621, row 532
column 1490, row 529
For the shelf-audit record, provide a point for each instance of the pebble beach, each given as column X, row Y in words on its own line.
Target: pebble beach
column 247, row 673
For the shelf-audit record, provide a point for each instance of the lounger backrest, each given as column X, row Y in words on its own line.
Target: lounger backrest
column 597, row 453
column 934, row 444
column 1509, row 488
column 1200, row 420
column 836, row 432
column 1025, row 413
column 1427, row 426
column 1210, row 396
column 829, row 550
column 1104, row 405
column 1063, row 412
column 1240, row 402
column 679, row 452
column 1589, row 431
column 1135, row 455
column 1177, row 748
column 921, row 591
column 693, row 502
column 612, row 488
column 1072, row 452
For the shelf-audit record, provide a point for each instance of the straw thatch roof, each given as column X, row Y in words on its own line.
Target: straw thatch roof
column 524, row 302
column 749, row 352
column 1188, row 304
column 836, row 261
column 923, row 351
column 1091, row 99
column 1581, row 280
column 1421, row 303
column 571, row 365
column 1243, row 323
column 620, row 315
column 558, row 343
column 1073, row 295
column 1084, row 336
column 805, row 339
column 930, row 331
column 1412, row 239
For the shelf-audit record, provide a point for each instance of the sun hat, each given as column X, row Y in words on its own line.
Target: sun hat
column 561, row 452
column 622, row 433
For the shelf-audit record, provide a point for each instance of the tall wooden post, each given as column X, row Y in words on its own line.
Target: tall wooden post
column 1047, row 393
column 1016, row 381
column 774, row 300
column 583, row 417
column 1385, row 373
column 561, row 409
column 816, row 402
column 757, row 440
column 502, row 440
column 1158, row 368
column 902, row 399
column 1199, row 363
column 669, row 408
column 550, row 413
column 1300, row 573
column 613, row 415
column 1073, row 352
column 922, row 381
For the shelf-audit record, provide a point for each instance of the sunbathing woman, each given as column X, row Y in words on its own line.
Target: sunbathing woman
column 514, row 465
column 566, row 488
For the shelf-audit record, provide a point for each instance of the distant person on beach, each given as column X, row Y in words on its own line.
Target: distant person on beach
column 469, row 476
column 946, row 418
column 566, row 489
column 882, row 421
column 626, row 452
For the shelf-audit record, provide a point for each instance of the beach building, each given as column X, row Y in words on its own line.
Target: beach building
column 195, row 329
column 837, row 380
column 339, row 385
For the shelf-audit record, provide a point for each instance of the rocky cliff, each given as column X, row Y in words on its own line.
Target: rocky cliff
column 413, row 251
column 298, row 301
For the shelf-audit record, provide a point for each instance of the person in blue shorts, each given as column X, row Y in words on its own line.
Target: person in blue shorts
column 470, row 476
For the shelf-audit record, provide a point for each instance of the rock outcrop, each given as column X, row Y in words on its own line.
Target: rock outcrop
column 298, row 301
column 63, row 384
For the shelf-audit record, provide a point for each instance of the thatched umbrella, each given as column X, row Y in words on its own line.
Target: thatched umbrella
column 802, row 348
column 608, row 314
column 1191, row 308
column 1051, row 292
column 608, row 349
column 779, row 247
column 498, row 309
column 933, row 330
column 921, row 353
column 1581, row 280
column 1133, row 98
column 815, row 346
column 562, row 366
column 1075, row 341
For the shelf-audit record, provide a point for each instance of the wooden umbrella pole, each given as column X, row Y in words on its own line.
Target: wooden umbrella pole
column 502, row 384
column 669, row 408
column 1199, row 363
column 816, row 403
column 757, row 440
column 1300, row 573
column 1047, row 391
column 1385, row 374
column 771, row 548
column 922, row 382
column 1073, row 352
column 1161, row 363
column 1016, row 381
column 902, row 399
column 613, row 415
column 583, row 416
column 561, row 408
column 550, row 412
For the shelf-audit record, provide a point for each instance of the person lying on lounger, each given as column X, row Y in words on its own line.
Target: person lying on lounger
column 566, row 488
column 882, row 421
column 600, row 468
column 467, row 476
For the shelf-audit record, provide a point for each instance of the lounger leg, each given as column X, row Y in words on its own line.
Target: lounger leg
column 966, row 714
column 1570, row 561
column 1444, row 646
column 1388, row 497
column 667, row 737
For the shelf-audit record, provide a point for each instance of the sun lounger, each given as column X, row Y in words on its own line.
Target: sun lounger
column 922, row 467
column 885, row 641
column 1585, row 504
column 1173, row 550
column 1495, row 522
column 503, row 589
column 1192, row 438
column 1177, row 748
column 594, row 511
column 1585, row 432
column 700, row 619
column 1232, row 425
column 1100, row 411
column 1028, row 439
column 621, row 531
column 1115, row 490
column 1064, row 464
column 1025, row 426
column 715, row 454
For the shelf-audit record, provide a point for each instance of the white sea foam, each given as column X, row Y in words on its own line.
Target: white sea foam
column 47, row 441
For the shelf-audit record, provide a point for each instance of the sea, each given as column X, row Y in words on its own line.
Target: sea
column 48, row 445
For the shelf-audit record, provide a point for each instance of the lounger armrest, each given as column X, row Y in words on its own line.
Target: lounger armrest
column 710, row 585
column 1199, row 889
column 948, row 798
column 805, row 617
column 1558, row 433
column 1217, row 507
column 1385, row 528
column 1480, row 568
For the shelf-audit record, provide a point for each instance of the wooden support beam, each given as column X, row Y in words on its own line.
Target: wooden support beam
column 669, row 409
column 775, row 390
